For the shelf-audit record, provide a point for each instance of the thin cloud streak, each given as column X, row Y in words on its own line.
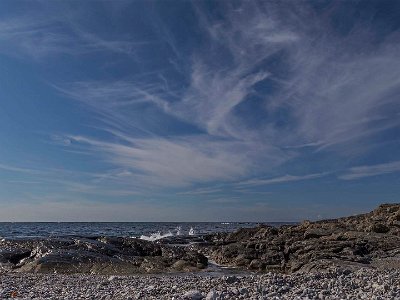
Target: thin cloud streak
column 75, row 182
column 41, row 36
column 282, row 179
column 11, row 168
column 202, row 191
column 371, row 170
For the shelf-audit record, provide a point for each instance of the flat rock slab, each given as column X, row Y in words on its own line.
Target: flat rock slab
column 96, row 255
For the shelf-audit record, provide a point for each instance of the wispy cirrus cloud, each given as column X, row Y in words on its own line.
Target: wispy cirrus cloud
column 39, row 35
column 218, row 105
column 12, row 168
column 202, row 191
column 309, row 93
column 226, row 149
column 281, row 179
column 176, row 162
column 71, row 183
column 371, row 170
column 328, row 94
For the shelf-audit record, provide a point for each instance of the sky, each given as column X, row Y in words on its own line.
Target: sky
column 198, row 110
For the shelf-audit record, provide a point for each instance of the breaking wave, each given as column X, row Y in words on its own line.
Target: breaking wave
column 191, row 231
column 158, row 235
column 155, row 236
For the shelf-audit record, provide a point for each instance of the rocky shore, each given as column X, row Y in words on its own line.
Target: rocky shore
column 370, row 240
column 95, row 255
column 355, row 257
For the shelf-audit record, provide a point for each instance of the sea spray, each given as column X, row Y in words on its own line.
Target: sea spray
column 155, row 236
column 158, row 235
column 191, row 231
column 178, row 230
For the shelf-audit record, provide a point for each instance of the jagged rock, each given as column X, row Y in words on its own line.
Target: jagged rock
column 367, row 240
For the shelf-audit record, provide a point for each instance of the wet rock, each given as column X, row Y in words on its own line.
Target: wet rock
column 13, row 256
column 102, row 255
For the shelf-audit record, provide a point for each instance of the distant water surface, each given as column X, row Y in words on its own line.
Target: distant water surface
column 144, row 230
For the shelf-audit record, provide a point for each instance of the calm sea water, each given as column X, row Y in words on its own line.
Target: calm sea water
column 144, row 230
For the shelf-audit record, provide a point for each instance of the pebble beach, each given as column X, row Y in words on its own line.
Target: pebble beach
column 334, row 284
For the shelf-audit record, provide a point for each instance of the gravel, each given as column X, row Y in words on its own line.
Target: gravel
column 335, row 284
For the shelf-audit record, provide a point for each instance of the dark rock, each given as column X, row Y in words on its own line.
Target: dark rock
column 231, row 279
column 193, row 295
column 103, row 255
column 366, row 240
column 257, row 264
column 316, row 233
column 380, row 228
column 13, row 256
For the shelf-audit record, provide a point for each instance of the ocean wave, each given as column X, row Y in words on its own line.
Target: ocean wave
column 158, row 235
column 155, row 236
column 191, row 231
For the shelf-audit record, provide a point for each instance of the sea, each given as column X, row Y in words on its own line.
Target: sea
column 144, row 230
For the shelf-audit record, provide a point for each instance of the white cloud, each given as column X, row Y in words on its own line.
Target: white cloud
column 282, row 179
column 60, row 140
column 179, row 161
column 329, row 93
column 202, row 191
column 12, row 168
column 371, row 170
column 40, row 35
column 213, row 95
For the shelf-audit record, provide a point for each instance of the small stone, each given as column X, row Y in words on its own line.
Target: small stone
column 212, row 295
column 231, row 279
column 193, row 295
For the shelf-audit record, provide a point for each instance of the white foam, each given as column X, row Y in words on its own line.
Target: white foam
column 178, row 230
column 191, row 231
column 156, row 236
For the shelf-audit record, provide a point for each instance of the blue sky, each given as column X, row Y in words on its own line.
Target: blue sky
column 198, row 111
